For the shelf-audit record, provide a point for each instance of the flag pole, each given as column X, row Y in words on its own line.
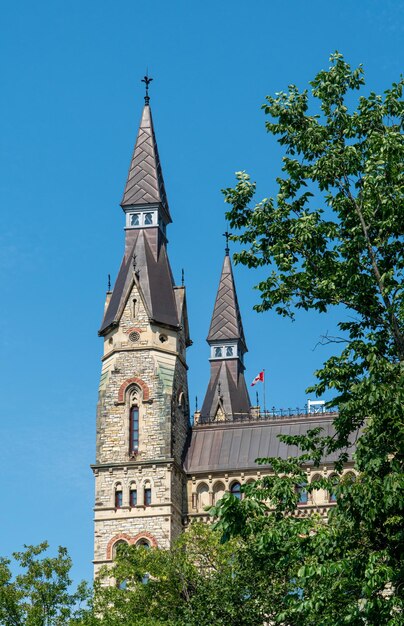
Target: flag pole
column 265, row 405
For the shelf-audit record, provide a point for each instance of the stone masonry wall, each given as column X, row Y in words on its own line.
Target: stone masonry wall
column 152, row 359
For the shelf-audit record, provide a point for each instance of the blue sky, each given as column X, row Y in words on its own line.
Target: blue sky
column 72, row 99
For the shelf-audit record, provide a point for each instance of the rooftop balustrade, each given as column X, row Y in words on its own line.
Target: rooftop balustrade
column 257, row 415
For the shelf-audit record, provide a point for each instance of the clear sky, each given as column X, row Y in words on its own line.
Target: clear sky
column 70, row 107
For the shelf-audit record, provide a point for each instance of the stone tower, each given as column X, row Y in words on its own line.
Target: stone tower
column 227, row 396
column 143, row 408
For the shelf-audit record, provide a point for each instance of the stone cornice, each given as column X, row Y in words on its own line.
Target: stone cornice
column 156, row 348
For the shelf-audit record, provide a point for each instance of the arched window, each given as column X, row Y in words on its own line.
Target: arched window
column 235, row 489
column 143, row 543
column 301, row 491
column 332, row 494
column 132, row 495
column 218, row 492
column 118, row 496
column 317, row 494
column 349, row 477
column 203, row 496
column 147, row 494
column 134, row 423
column 118, row 546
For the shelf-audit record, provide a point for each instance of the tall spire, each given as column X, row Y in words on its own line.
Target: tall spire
column 145, row 183
column 227, row 395
column 145, row 260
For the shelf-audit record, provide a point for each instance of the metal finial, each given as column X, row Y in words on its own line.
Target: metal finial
column 196, row 404
column 109, row 282
column 227, row 249
column 182, row 277
column 146, row 80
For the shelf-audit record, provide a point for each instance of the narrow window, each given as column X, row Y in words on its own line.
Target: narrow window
column 133, row 497
column 148, row 219
column 302, row 493
column 332, row 496
column 118, row 498
column 236, row 490
column 134, row 301
column 147, row 496
column 134, row 430
column 134, row 219
column 229, row 351
column 218, row 352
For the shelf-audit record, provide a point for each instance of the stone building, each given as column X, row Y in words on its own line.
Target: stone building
column 154, row 471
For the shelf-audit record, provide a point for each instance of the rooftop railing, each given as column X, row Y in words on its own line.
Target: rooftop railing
column 256, row 415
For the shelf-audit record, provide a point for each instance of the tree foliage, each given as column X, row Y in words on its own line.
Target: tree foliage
column 39, row 594
column 333, row 237
column 199, row 581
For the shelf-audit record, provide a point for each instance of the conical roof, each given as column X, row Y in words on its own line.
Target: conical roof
column 226, row 321
column 145, row 183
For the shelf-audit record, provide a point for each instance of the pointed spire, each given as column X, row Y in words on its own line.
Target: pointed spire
column 226, row 321
column 227, row 395
column 145, row 183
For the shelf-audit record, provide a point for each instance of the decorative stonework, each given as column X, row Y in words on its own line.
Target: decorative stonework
column 130, row 540
column 133, row 381
column 145, row 535
column 114, row 540
column 134, row 336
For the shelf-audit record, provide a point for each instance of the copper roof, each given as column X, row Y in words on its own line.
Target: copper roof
column 235, row 446
column 226, row 319
column 145, row 183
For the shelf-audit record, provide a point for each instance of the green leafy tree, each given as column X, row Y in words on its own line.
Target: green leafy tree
column 199, row 581
column 333, row 237
column 39, row 595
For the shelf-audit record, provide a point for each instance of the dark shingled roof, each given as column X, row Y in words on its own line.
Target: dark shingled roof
column 227, row 391
column 226, row 319
column 153, row 277
column 234, row 398
column 236, row 446
column 145, row 183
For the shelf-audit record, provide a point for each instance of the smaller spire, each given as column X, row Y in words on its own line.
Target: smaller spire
column 146, row 80
column 226, row 321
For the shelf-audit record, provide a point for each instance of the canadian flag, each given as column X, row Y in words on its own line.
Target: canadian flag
column 258, row 379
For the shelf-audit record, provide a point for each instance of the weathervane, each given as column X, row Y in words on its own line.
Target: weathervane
column 146, row 80
column 227, row 249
